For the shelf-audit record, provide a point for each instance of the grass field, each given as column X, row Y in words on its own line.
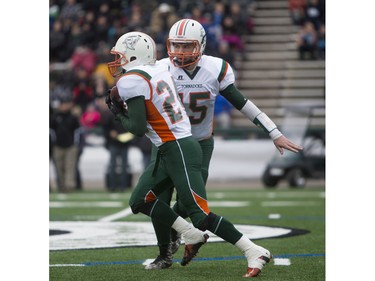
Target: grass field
column 300, row 257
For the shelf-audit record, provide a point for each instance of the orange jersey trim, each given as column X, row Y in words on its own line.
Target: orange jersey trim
column 150, row 197
column 157, row 122
column 202, row 203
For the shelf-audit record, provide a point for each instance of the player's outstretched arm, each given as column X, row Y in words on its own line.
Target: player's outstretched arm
column 259, row 118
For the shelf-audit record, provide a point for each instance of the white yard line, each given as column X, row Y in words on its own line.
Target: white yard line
column 122, row 214
column 279, row 261
column 288, row 203
column 80, row 204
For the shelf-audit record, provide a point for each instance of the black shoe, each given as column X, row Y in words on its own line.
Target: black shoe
column 160, row 263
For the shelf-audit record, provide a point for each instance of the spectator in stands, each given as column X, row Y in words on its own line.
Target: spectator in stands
column 57, row 40
column 213, row 33
column 196, row 14
column 118, row 143
column 225, row 53
column 313, row 13
column 101, row 29
column 241, row 20
column 83, row 57
column 230, row 35
column 306, row 41
column 297, row 11
column 71, row 10
column 136, row 21
column 64, row 125
column 100, row 84
column 80, row 142
column 83, row 93
column 322, row 42
column 90, row 117
column 161, row 21
column 222, row 113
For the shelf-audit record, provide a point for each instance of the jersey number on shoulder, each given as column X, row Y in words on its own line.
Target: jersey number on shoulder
column 194, row 97
column 161, row 88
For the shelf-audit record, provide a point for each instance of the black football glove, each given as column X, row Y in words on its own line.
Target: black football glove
column 114, row 106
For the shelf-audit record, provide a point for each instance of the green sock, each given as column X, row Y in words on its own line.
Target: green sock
column 225, row 230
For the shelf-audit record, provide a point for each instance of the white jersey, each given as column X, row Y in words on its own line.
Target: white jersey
column 166, row 116
column 198, row 91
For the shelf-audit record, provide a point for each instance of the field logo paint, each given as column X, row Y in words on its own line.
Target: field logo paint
column 69, row 235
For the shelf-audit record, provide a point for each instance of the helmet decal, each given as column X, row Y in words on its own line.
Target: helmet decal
column 131, row 41
column 181, row 28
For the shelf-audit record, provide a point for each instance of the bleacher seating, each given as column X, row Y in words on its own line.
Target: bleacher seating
column 270, row 73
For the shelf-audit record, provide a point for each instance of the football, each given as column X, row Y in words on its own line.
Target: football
column 114, row 94
column 115, row 97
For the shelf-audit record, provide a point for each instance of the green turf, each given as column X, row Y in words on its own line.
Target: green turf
column 306, row 252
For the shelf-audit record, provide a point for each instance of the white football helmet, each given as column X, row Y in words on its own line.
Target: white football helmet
column 186, row 31
column 132, row 49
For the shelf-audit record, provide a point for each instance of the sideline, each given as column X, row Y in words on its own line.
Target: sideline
column 284, row 256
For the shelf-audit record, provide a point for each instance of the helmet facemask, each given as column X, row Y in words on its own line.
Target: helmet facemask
column 181, row 57
column 116, row 67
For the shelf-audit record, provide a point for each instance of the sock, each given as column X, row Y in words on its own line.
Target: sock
column 244, row 244
column 189, row 233
column 164, row 251
column 225, row 229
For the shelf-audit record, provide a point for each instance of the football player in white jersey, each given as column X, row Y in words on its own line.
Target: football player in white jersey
column 200, row 79
column 153, row 108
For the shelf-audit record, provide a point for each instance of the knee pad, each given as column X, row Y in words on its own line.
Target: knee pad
column 209, row 222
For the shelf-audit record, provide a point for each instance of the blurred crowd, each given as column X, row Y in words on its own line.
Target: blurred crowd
column 82, row 32
column 309, row 15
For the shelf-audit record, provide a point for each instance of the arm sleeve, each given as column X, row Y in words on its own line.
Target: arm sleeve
column 234, row 96
column 251, row 111
column 135, row 122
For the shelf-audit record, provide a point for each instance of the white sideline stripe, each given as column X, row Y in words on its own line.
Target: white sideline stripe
column 66, row 264
column 279, row 261
column 122, row 214
column 228, row 203
column 287, row 203
column 80, row 204
column 126, row 212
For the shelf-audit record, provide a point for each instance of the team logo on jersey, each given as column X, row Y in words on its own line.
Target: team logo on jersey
column 131, row 41
column 180, row 77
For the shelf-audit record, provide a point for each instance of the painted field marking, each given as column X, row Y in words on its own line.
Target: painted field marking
column 108, row 234
column 122, row 214
column 274, row 216
column 279, row 257
column 288, row 203
column 281, row 261
column 80, row 204
column 127, row 212
column 67, row 264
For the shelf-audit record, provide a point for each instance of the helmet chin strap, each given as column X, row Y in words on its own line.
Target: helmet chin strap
column 176, row 61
